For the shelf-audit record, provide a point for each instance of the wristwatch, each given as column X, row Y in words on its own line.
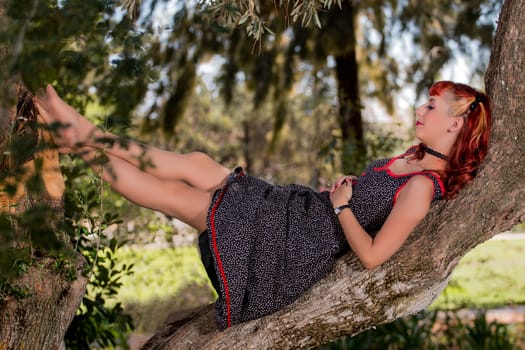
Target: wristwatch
column 340, row 208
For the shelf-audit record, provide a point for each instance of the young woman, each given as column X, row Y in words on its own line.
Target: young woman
column 262, row 244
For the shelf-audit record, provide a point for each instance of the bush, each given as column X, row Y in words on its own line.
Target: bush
column 432, row 330
column 97, row 324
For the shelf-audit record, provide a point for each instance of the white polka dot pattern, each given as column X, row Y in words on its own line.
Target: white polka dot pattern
column 270, row 243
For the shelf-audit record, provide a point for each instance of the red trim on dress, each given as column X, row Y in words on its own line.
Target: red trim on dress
column 386, row 168
column 387, row 165
column 422, row 173
column 218, row 257
column 217, row 254
column 440, row 182
column 399, row 190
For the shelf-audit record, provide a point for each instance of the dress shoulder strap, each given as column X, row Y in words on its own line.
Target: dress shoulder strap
column 439, row 186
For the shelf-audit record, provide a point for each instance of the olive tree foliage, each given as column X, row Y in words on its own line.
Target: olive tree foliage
column 369, row 49
column 77, row 46
column 44, row 268
column 268, row 47
column 89, row 51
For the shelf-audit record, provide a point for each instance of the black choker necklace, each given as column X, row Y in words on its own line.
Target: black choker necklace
column 434, row 153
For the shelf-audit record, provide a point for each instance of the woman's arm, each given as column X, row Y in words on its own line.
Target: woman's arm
column 412, row 204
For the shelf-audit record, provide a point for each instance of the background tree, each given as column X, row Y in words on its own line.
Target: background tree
column 43, row 280
column 357, row 44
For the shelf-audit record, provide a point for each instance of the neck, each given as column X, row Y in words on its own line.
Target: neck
column 434, row 153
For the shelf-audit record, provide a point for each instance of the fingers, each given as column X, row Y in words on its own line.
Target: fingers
column 340, row 181
column 342, row 194
column 347, row 179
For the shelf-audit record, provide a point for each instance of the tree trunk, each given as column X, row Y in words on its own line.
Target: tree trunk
column 7, row 93
column 38, row 316
column 350, row 118
column 352, row 299
column 40, row 320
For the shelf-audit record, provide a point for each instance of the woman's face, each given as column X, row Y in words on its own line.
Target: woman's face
column 434, row 118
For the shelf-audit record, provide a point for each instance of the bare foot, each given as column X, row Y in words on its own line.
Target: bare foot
column 61, row 118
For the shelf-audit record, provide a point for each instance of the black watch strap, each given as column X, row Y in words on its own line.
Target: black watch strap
column 340, row 208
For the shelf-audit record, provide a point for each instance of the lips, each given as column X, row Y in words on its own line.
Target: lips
column 418, row 123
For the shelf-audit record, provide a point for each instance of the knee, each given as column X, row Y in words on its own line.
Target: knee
column 203, row 162
column 207, row 173
column 198, row 156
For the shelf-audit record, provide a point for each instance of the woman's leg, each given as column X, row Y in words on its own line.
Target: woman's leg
column 172, row 197
column 196, row 169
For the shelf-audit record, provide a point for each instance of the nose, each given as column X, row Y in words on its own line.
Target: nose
column 419, row 110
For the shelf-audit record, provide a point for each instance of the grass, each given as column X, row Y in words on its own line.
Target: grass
column 166, row 281
column 488, row 276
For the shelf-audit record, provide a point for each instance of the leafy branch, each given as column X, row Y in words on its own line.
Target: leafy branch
column 231, row 14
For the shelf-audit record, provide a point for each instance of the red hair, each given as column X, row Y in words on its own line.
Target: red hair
column 472, row 142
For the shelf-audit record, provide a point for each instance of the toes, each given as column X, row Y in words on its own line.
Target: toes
column 44, row 96
column 40, row 99
column 41, row 108
column 43, row 113
column 40, row 94
column 50, row 91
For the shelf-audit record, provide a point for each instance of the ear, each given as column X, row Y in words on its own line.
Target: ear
column 456, row 125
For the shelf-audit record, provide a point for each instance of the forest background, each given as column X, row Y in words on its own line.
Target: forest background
column 296, row 93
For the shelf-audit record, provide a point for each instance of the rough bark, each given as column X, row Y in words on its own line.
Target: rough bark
column 349, row 118
column 352, row 299
column 40, row 319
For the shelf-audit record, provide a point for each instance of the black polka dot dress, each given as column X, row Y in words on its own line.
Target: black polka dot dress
column 266, row 244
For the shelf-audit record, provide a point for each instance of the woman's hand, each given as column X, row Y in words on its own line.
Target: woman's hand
column 341, row 192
